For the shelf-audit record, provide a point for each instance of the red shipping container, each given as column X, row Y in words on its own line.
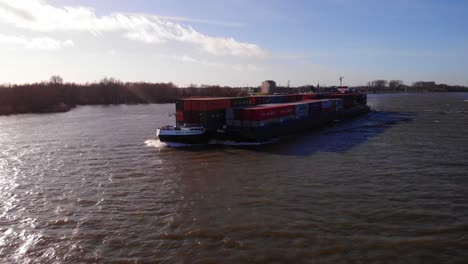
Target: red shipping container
column 179, row 116
column 256, row 100
column 267, row 112
column 309, row 96
column 187, row 105
column 208, row 104
column 286, row 110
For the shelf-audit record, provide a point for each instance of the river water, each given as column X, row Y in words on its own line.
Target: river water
column 94, row 186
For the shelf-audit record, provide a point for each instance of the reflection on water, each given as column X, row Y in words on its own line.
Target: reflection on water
column 93, row 185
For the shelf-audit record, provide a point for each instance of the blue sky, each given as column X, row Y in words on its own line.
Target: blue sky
column 235, row 42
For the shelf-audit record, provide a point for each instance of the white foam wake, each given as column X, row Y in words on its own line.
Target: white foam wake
column 156, row 143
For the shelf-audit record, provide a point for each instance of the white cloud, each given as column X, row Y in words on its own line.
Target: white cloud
column 186, row 58
column 202, row 21
column 42, row 43
column 37, row 15
column 68, row 43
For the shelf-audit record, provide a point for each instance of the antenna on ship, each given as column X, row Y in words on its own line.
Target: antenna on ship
column 288, row 83
column 341, row 81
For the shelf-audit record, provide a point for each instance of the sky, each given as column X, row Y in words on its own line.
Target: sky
column 234, row 42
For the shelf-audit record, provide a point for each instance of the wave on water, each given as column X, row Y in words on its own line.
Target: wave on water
column 155, row 143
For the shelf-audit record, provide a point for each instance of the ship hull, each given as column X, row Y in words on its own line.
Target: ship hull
column 187, row 137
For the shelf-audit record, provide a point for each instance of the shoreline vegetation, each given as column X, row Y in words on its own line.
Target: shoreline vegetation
column 58, row 96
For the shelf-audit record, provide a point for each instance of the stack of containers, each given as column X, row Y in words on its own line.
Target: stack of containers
column 234, row 116
column 256, row 111
column 209, row 112
column 301, row 110
column 259, row 116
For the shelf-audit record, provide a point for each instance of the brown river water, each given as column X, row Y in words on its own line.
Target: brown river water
column 94, row 186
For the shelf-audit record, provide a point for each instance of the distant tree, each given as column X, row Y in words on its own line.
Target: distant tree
column 56, row 79
column 110, row 80
column 379, row 84
column 422, row 84
column 395, row 84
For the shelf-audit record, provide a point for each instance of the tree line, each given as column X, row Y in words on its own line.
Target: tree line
column 420, row 86
column 57, row 96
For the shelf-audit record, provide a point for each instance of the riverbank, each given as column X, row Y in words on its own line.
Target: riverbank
column 53, row 97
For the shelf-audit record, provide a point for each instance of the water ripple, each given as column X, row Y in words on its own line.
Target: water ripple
column 92, row 186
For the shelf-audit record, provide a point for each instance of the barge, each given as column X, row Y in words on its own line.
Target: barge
column 258, row 118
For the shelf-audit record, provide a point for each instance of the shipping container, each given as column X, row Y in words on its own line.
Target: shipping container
column 278, row 99
column 230, row 114
column 236, row 113
column 208, row 104
column 315, row 107
column 261, row 123
column 241, row 101
column 187, row 105
column 212, row 116
column 286, row 110
column 327, row 106
column 194, row 117
column 302, row 109
column 186, row 117
column 180, row 105
column 259, row 113
column 290, row 98
column 267, row 112
column 271, row 99
column 339, row 105
column 180, row 116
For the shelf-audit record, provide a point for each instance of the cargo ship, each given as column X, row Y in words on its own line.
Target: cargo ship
column 258, row 118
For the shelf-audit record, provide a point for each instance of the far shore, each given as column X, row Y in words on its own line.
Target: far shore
column 63, row 107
